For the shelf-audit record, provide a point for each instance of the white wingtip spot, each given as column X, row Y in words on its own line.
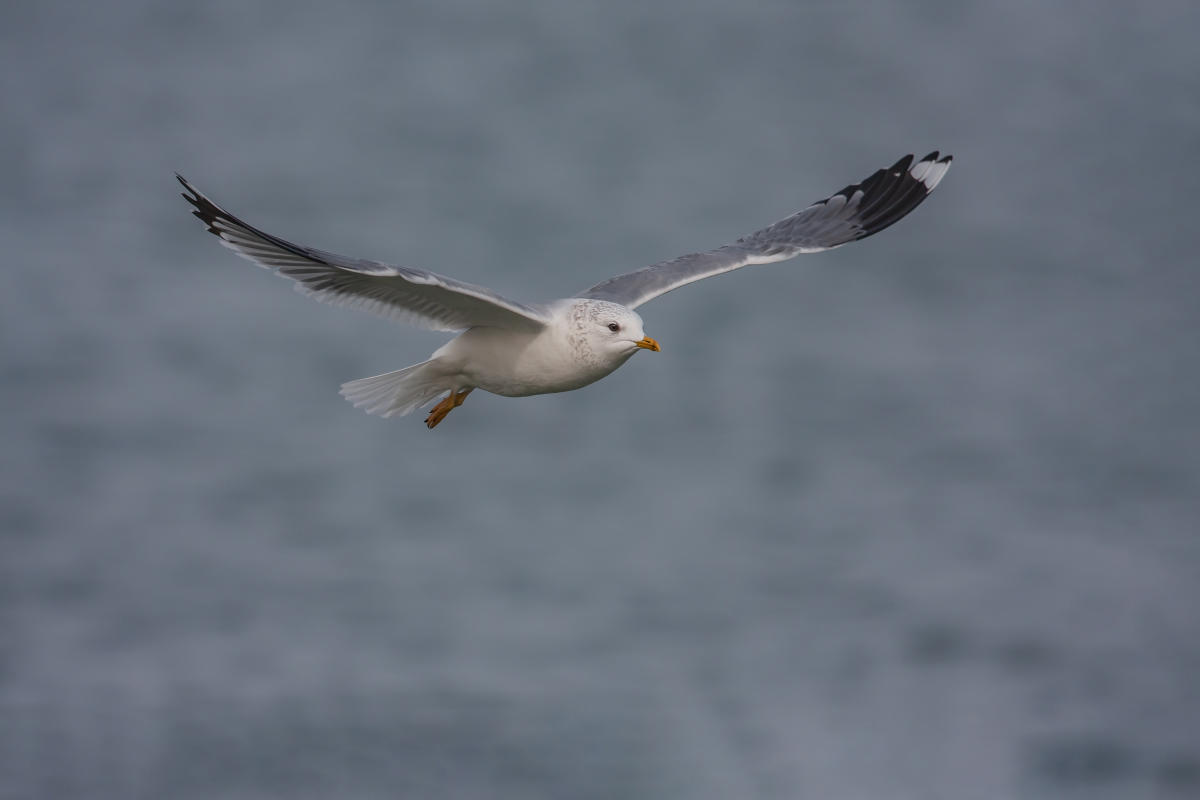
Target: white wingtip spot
column 930, row 172
column 935, row 174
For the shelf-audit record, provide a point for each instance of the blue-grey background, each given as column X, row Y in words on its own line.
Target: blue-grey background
column 914, row 519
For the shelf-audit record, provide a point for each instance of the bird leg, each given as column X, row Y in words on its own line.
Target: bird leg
column 448, row 404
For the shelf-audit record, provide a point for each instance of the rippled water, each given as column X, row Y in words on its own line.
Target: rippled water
column 914, row 519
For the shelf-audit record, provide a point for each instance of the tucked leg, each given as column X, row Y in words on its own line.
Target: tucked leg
column 447, row 404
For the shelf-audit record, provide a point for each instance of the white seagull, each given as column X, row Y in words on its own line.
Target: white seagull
column 513, row 349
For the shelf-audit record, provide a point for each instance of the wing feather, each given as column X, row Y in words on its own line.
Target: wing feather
column 409, row 295
column 854, row 213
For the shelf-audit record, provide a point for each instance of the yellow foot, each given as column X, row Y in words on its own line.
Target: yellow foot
column 448, row 404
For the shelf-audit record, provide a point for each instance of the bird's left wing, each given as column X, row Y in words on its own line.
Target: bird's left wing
column 410, row 295
column 855, row 212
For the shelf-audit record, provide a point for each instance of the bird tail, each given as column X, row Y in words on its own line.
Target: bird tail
column 396, row 393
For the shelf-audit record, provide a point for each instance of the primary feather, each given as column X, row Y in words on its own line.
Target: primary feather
column 855, row 212
column 411, row 295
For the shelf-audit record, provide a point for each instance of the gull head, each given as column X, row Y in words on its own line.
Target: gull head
column 608, row 331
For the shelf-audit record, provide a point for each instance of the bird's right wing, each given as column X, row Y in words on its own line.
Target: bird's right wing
column 410, row 295
column 855, row 212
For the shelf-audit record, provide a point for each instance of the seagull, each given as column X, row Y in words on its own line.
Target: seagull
column 516, row 349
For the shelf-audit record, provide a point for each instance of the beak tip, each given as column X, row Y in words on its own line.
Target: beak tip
column 649, row 344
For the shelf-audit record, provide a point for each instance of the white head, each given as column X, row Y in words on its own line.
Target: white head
column 607, row 331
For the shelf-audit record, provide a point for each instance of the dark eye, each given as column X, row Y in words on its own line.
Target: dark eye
column 614, row 327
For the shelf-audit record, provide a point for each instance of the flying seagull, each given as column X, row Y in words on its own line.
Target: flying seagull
column 517, row 349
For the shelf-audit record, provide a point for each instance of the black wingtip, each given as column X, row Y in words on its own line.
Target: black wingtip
column 191, row 195
column 889, row 195
column 203, row 209
column 902, row 165
column 937, row 157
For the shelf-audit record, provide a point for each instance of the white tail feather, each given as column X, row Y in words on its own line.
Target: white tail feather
column 396, row 393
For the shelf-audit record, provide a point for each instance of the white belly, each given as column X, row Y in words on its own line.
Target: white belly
column 519, row 364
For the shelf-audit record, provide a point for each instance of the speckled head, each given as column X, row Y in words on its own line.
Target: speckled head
column 607, row 331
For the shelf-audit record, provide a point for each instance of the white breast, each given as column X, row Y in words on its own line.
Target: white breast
column 518, row 364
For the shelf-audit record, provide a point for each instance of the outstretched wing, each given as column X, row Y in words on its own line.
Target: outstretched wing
column 410, row 295
column 853, row 213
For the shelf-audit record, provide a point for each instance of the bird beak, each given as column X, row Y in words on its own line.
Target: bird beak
column 648, row 344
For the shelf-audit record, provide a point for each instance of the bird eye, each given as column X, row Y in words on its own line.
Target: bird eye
column 614, row 327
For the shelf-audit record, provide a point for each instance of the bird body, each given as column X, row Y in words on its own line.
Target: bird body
column 514, row 349
column 574, row 349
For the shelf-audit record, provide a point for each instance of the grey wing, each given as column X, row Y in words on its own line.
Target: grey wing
column 410, row 295
column 853, row 213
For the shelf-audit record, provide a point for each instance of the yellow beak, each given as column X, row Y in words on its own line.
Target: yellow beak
column 648, row 344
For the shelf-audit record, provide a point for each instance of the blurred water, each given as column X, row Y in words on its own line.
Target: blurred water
column 914, row 519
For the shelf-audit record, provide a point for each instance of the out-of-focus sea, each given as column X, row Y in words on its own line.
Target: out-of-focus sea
column 918, row 518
